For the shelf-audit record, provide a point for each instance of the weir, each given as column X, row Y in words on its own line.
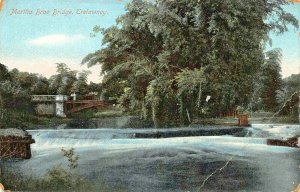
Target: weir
column 113, row 155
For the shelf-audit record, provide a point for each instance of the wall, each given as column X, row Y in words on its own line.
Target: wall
column 46, row 109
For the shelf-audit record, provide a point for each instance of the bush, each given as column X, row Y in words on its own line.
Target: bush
column 56, row 179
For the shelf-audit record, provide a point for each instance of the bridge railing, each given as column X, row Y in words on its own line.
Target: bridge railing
column 52, row 98
column 39, row 98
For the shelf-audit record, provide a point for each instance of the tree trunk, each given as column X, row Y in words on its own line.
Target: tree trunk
column 299, row 106
column 183, row 112
column 145, row 110
column 1, row 108
column 155, row 111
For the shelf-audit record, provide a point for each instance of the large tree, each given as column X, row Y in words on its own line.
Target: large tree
column 80, row 86
column 62, row 82
column 164, row 57
column 268, row 83
column 4, row 73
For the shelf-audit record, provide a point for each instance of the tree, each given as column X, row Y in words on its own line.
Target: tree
column 292, row 83
column 24, row 79
column 63, row 81
column 4, row 74
column 80, row 86
column 271, row 79
column 41, row 86
column 95, row 87
column 269, row 83
column 290, row 86
column 155, row 46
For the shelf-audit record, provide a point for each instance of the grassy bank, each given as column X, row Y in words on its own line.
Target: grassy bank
column 23, row 120
column 58, row 178
column 114, row 117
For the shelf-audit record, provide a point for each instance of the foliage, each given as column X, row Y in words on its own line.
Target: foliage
column 80, row 85
column 63, row 81
column 109, row 113
column 4, row 74
column 95, row 88
column 72, row 158
column 163, row 57
column 67, row 81
column 55, row 179
column 15, row 108
column 16, row 88
column 291, row 84
column 269, row 83
column 41, row 86
column 63, row 179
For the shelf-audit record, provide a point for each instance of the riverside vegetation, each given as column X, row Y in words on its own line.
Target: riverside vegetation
column 172, row 62
column 183, row 60
column 57, row 178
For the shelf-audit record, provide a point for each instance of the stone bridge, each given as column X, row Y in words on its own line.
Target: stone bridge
column 61, row 105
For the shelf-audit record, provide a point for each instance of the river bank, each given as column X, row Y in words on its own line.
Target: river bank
column 125, row 121
column 114, row 117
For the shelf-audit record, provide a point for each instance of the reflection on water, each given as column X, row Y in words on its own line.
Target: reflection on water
column 113, row 156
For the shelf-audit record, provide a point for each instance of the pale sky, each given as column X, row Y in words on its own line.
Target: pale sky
column 36, row 34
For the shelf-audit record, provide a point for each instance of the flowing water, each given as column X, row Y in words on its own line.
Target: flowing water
column 198, row 163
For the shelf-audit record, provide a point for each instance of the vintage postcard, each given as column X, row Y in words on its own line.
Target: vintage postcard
column 150, row 95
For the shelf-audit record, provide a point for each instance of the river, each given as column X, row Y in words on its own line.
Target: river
column 199, row 163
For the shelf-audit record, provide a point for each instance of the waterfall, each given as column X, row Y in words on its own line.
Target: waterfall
column 77, row 137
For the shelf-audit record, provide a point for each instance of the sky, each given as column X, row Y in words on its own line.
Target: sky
column 36, row 34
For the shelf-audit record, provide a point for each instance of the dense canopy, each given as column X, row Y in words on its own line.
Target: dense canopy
column 163, row 58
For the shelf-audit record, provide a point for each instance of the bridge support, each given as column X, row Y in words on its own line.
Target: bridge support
column 60, row 106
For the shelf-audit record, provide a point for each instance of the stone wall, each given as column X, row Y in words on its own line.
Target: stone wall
column 46, row 108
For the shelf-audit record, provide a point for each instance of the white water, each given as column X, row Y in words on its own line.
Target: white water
column 115, row 156
column 123, row 138
column 276, row 131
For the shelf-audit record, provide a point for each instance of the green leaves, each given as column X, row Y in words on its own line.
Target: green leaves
column 80, row 85
column 163, row 53
column 268, row 86
column 189, row 81
column 68, row 81
column 4, row 74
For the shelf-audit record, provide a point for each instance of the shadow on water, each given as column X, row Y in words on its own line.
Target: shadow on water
column 211, row 131
column 186, row 175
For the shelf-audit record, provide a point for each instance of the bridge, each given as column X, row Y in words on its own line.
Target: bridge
column 75, row 106
column 61, row 105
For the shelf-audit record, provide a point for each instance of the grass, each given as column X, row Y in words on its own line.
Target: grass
column 29, row 120
column 25, row 120
column 108, row 113
column 58, row 178
column 98, row 113
column 268, row 117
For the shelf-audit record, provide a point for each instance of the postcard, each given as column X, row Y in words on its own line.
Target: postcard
column 150, row 95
